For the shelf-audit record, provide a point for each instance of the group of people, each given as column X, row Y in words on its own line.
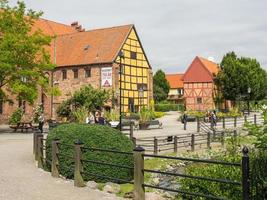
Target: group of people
column 96, row 118
column 212, row 117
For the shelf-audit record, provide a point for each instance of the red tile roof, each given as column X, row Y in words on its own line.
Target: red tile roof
column 201, row 70
column 175, row 80
column 90, row 47
column 52, row 28
column 212, row 67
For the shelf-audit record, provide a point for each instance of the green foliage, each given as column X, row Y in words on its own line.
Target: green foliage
column 64, row 109
column 158, row 114
column 80, row 114
column 168, row 107
column 113, row 115
column 16, row 116
column 239, row 74
column 233, row 112
column 216, row 171
column 95, row 136
column 196, row 113
column 24, row 58
column 88, row 97
column 145, row 115
column 161, row 86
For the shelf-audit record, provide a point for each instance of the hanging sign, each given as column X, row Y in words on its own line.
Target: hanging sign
column 106, row 76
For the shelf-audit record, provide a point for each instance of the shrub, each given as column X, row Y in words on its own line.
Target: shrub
column 96, row 136
column 168, row 107
column 158, row 114
column 145, row 115
column 80, row 115
column 16, row 116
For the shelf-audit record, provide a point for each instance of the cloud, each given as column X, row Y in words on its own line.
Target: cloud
column 174, row 32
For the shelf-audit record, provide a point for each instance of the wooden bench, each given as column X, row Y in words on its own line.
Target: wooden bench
column 154, row 123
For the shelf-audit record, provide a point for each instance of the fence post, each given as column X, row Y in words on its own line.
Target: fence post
column 235, row 134
column 213, row 134
column 198, row 125
column 139, row 189
column 234, row 121
column 193, row 142
column 208, row 140
column 175, row 144
column 245, row 118
column 78, row 179
column 131, row 130
column 222, row 138
column 55, row 160
column 134, row 141
column 255, row 119
column 245, row 174
column 40, row 151
column 223, row 122
column 155, row 146
column 185, row 124
column 34, row 142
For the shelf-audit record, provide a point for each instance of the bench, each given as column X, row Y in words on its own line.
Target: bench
column 156, row 123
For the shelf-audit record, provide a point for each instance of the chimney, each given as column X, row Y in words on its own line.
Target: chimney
column 74, row 24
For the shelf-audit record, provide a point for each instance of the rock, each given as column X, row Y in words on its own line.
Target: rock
column 156, row 181
column 153, row 196
column 111, row 188
column 92, row 185
column 129, row 195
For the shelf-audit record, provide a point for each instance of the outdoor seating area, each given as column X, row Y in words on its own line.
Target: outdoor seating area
column 24, row 126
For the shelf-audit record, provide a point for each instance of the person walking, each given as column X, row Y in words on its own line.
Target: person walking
column 41, row 120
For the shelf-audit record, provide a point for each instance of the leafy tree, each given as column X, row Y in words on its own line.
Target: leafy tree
column 24, row 58
column 239, row 74
column 87, row 97
column 161, row 86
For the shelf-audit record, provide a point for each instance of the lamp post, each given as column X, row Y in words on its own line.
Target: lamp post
column 121, row 55
column 249, row 91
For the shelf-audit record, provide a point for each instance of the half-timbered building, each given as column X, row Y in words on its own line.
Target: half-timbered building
column 199, row 86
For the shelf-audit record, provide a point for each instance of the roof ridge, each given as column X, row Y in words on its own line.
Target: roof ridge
column 98, row 29
column 55, row 22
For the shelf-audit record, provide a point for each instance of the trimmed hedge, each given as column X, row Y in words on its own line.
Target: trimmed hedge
column 169, row 107
column 95, row 136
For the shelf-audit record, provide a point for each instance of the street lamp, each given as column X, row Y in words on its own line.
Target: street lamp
column 121, row 55
column 249, row 91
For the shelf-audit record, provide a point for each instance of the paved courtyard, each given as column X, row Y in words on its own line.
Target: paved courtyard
column 20, row 179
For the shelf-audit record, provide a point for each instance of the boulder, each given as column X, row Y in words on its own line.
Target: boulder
column 92, row 185
column 112, row 188
column 153, row 196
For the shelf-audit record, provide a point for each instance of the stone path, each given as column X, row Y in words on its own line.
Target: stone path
column 171, row 126
column 20, row 179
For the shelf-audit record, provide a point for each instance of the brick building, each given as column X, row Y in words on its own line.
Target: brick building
column 176, row 87
column 92, row 57
column 199, row 88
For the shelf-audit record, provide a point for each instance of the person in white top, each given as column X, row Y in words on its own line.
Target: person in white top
column 90, row 119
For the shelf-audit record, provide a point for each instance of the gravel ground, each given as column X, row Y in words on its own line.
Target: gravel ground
column 20, row 179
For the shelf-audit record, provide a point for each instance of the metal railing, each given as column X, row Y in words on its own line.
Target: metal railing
column 41, row 146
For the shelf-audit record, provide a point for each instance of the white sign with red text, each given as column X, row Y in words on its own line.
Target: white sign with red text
column 106, row 76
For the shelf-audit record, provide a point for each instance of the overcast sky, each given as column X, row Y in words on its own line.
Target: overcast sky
column 173, row 32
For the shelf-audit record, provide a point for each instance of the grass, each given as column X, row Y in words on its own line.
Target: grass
column 125, row 188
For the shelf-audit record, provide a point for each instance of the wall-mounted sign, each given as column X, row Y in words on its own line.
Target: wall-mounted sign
column 106, row 76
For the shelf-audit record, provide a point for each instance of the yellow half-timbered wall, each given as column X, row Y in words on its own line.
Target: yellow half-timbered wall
column 135, row 75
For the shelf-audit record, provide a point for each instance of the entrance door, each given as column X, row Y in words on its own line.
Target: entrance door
column 131, row 105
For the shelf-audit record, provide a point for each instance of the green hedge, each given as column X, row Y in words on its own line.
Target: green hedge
column 96, row 136
column 169, row 107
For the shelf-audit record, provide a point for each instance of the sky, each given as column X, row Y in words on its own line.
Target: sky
column 173, row 32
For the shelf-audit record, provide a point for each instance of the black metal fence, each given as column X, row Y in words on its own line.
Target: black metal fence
column 139, row 156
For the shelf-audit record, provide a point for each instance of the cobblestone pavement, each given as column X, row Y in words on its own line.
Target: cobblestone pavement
column 20, row 179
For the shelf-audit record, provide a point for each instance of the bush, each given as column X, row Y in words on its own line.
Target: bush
column 16, row 116
column 158, row 114
column 168, row 107
column 96, row 136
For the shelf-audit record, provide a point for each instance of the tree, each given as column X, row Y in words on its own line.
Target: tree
column 161, row 86
column 239, row 74
column 24, row 58
column 87, row 97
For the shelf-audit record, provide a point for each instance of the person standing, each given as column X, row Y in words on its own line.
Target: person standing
column 41, row 120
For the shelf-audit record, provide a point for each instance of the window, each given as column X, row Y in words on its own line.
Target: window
column 75, row 73
column 87, row 72
column 180, row 91
column 64, row 74
column 1, row 106
column 142, row 86
column 199, row 100
column 133, row 55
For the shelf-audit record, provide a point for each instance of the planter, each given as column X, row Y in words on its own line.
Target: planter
column 143, row 126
